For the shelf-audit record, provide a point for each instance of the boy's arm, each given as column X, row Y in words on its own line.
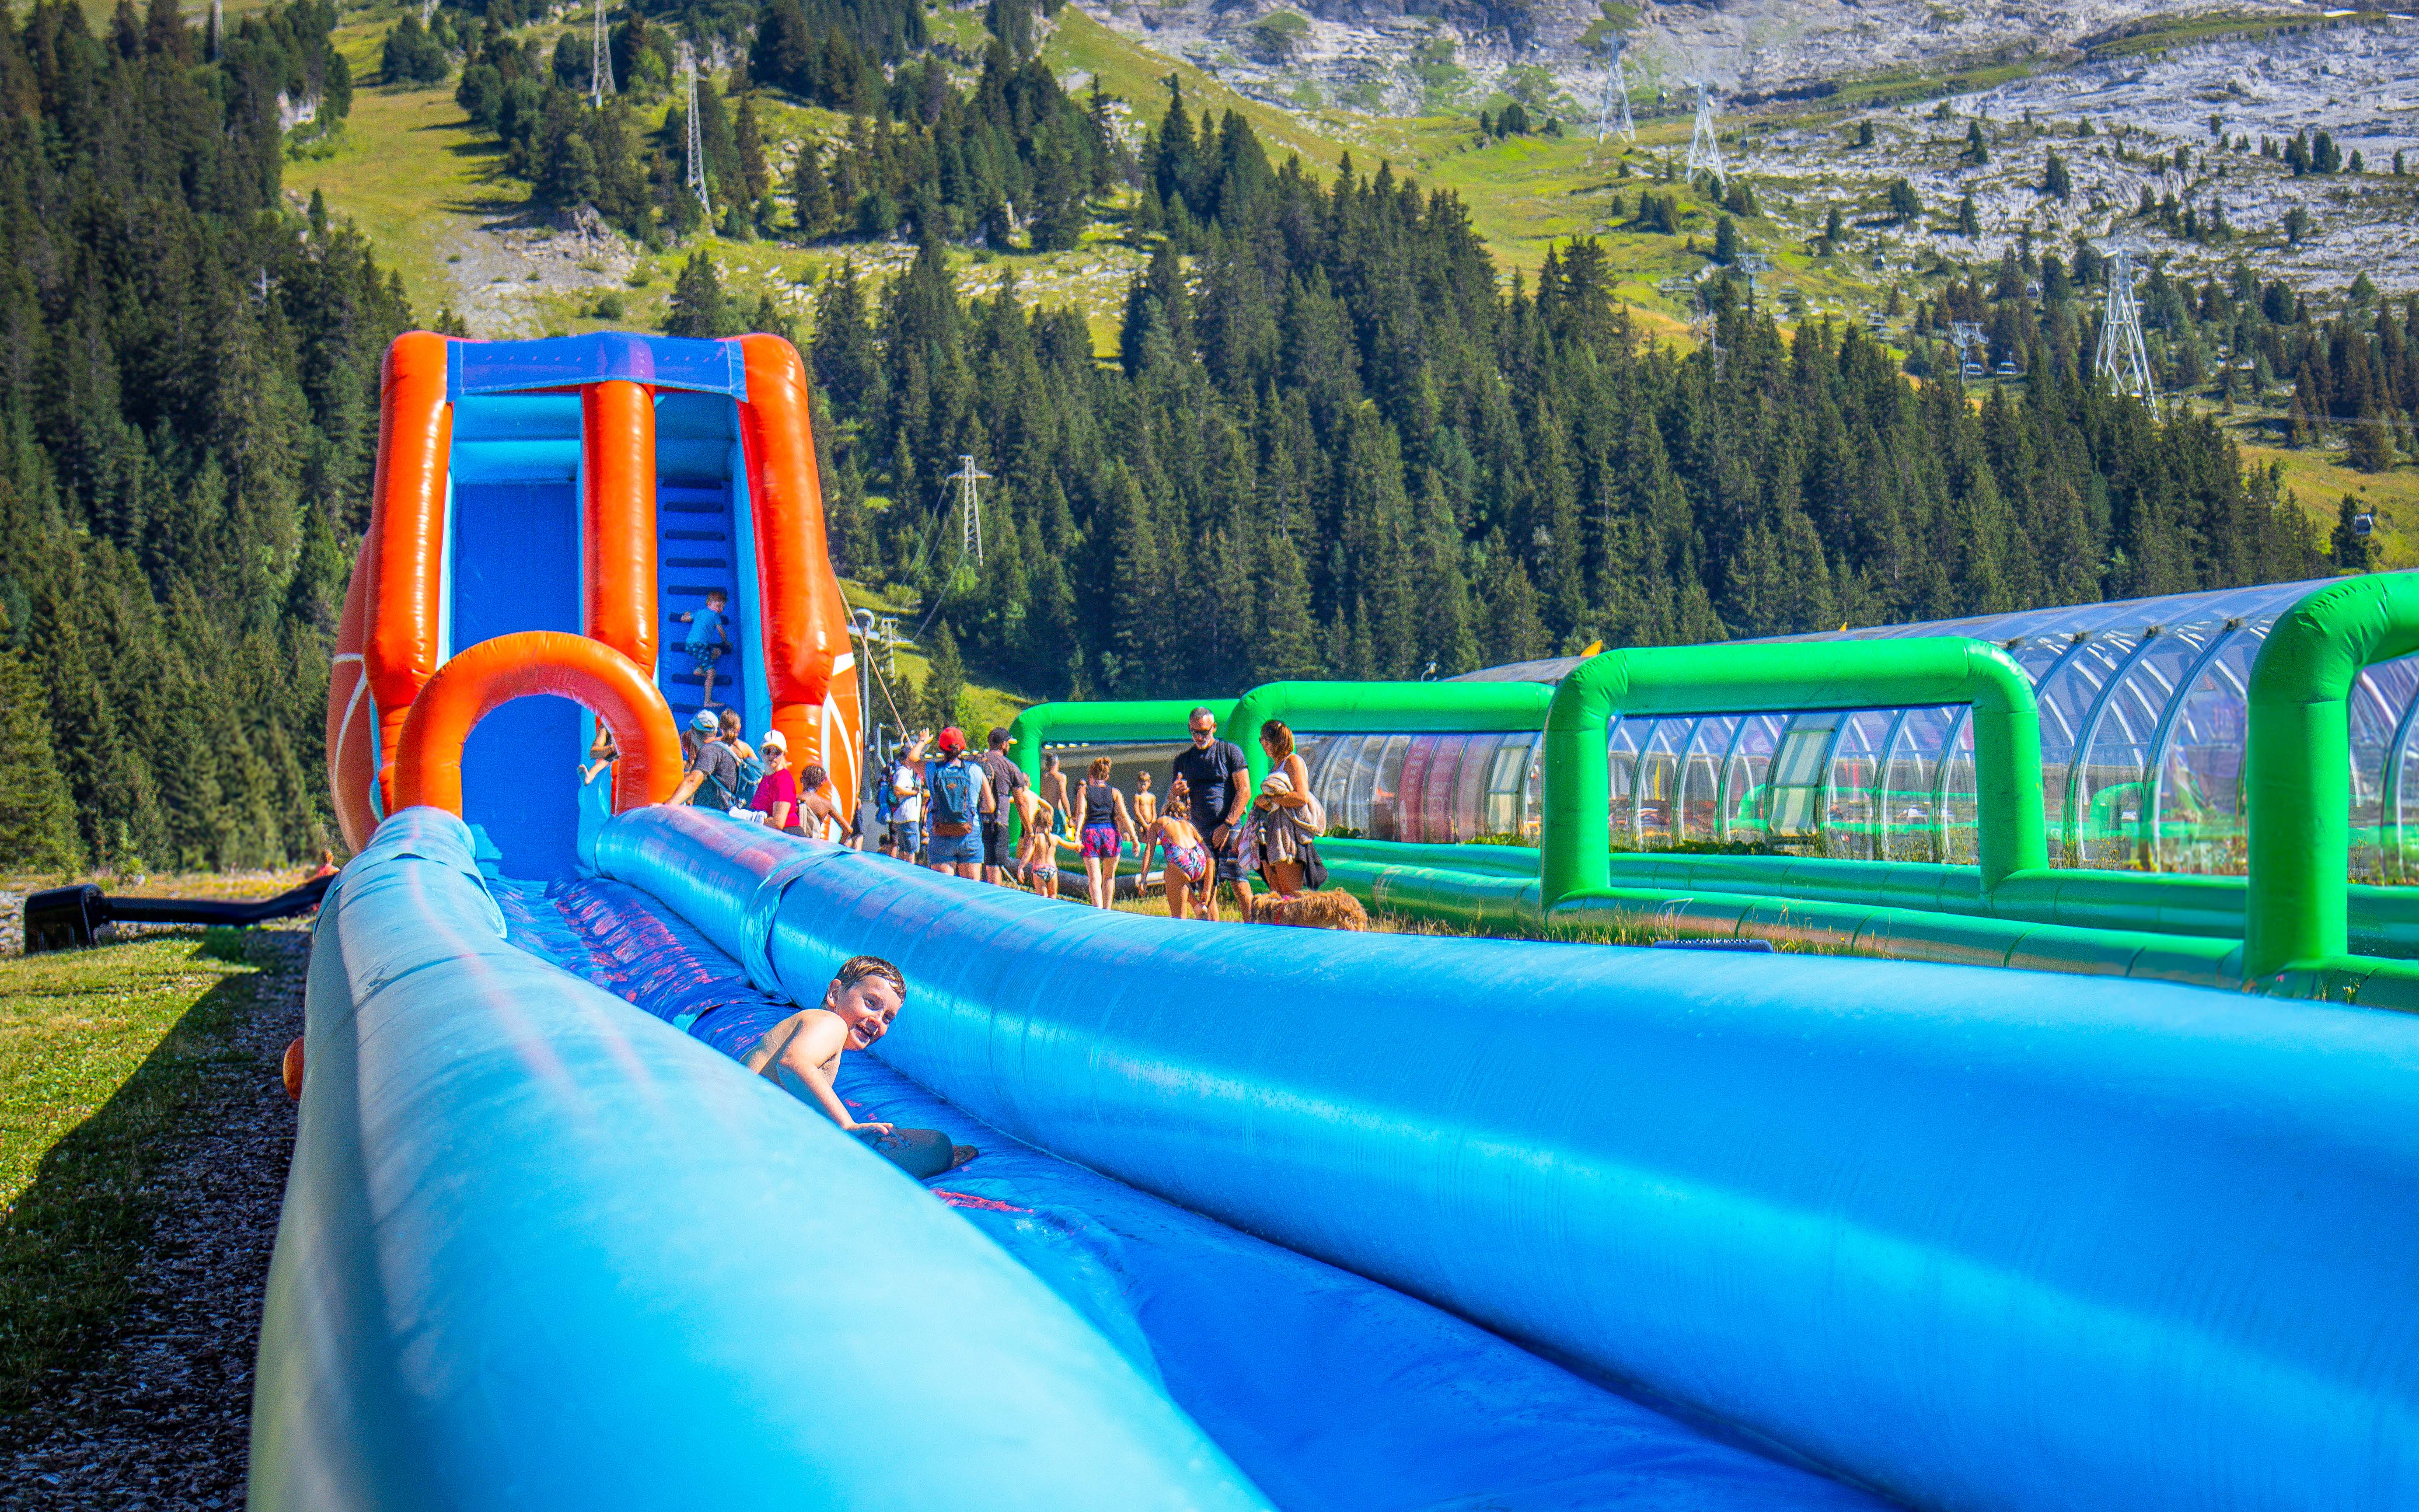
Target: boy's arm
column 799, row 1067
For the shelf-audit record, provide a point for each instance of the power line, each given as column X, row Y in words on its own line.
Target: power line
column 600, row 65
column 696, row 134
column 969, row 508
column 1704, row 147
column 1616, row 89
column 2122, row 354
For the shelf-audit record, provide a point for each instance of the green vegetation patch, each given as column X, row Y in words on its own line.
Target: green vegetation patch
column 101, row 1060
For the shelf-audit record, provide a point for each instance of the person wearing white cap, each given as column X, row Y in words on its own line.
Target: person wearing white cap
column 776, row 791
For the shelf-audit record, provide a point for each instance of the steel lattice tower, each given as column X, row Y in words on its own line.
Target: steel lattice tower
column 1617, row 91
column 696, row 134
column 1966, row 335
column 2122, row 354
column 1704, row 148
column 600, row 63
column 969, row 507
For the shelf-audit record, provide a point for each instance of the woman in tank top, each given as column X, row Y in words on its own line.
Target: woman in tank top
column 1106, row 823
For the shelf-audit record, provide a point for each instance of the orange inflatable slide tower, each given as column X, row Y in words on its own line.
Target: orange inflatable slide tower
column 553, row 526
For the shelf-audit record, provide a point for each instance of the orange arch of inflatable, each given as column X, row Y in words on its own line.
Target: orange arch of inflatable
column 473, row 684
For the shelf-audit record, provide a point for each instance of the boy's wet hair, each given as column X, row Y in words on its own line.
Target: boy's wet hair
column 857, row 967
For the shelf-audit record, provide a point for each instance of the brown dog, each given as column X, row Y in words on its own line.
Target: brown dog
column 1334, row 908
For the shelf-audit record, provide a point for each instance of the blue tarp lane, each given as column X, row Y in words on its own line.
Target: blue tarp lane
column 1333, row 1392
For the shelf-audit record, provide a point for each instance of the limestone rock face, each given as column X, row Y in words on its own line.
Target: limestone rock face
column 1415, row 56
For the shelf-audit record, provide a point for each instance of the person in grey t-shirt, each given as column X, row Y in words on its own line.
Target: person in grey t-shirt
column 709, row 779
column 1005, row 778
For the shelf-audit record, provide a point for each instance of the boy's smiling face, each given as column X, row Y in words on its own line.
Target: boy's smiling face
column 868, row 1008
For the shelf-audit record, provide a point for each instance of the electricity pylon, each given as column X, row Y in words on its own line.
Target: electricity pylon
column 969, row 507
column 600, row 63
column 696, row 134
column 2122, row 354
column 1617, row 91
column 1704, row 147
column 1966, row 335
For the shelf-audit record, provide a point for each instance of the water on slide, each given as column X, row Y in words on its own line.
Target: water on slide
column 1333, row 1392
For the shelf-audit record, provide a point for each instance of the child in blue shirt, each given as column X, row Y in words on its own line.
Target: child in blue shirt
column 708, row 638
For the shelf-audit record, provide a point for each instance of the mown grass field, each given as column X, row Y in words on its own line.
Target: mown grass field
column 2320, row 479
column 408, row 169
column 102, row 1054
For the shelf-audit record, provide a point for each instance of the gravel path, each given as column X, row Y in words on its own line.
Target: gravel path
column 161, row 1418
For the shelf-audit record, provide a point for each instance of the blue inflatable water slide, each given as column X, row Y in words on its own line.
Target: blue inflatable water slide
column 1294, row 1219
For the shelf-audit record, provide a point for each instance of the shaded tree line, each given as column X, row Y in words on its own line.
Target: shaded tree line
column 2230, row 337
column 1334, row 444
column 1011, row 157
column 187, row 424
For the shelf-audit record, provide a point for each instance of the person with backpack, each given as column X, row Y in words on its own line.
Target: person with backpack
column 886, row 803
column 898, row 802
column 957, row 795
column 710, row 776
column 751, row 765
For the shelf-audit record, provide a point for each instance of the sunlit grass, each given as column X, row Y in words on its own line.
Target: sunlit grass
column 101, row 1055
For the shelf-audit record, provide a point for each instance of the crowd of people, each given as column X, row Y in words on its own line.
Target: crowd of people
column 940, row 804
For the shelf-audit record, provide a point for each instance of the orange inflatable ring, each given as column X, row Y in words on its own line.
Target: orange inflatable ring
column 428, row 758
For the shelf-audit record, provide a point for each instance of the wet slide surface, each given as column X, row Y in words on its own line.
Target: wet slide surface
column 1333, row 1392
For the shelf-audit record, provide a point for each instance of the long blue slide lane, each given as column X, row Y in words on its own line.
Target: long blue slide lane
column 1985, row 1239
column 1332, row 1393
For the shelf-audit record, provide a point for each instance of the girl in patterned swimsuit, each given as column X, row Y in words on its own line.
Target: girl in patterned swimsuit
column 1189, row 877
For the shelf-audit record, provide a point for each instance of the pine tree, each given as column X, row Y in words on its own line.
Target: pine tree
column 1287, row 643
column 811, row 199
column 2055, row 182
column 1514, row 630
column 2352, row 550
column 755, row 176
column 698, row 305
column 37, row 830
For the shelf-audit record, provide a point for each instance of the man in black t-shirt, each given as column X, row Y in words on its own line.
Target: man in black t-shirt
column 1219, row 788
column 1005, row 778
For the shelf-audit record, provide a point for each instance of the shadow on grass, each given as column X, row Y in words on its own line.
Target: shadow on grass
column 70, row 1247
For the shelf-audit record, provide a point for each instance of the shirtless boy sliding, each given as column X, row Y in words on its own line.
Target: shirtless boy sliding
column 801, row 1055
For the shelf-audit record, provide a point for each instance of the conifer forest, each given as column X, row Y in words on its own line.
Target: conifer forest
column 1328, row 435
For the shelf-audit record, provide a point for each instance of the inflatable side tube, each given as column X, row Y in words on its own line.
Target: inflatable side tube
column 1986, row 1245
column 539, row 1249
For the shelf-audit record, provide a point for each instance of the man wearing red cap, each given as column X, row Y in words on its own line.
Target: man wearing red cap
column 957, row 797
